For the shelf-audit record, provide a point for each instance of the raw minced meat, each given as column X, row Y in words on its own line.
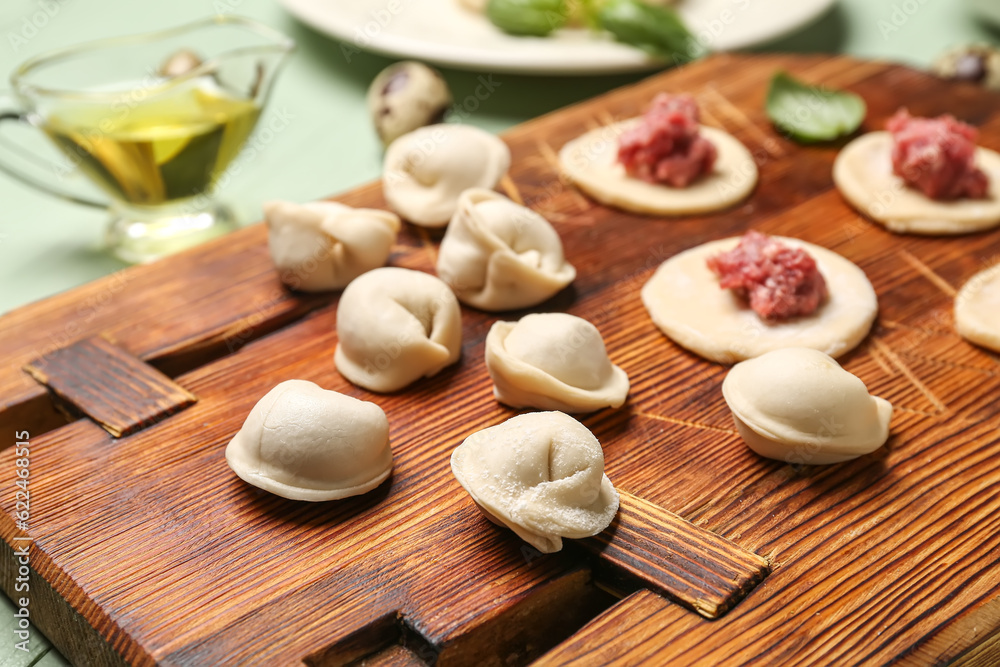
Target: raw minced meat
column 665, row 147
column 936, row 156
column 780, row 282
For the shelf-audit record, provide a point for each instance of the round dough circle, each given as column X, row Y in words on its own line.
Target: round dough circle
column 685, row 301
column 977, row 309
column 591, row 161
column 863, row 174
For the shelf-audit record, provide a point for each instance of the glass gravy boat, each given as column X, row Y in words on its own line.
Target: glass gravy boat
column 153, row 120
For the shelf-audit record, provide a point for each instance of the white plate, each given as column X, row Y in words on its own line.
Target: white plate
column 443, row 32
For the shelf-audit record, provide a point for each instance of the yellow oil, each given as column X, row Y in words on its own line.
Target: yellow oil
column 159, row 149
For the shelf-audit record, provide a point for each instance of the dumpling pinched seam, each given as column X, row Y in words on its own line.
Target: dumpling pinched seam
column 498, row 255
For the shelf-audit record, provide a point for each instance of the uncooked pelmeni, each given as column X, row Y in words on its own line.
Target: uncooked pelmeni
column 325, row 245
column 863, row 174
column 395, row 326
column 591, row 162
column 685, row 301
column 553, row 361
column 540, row 474
column 977, row 309
column 498, row 255
column 426, row 170
column 303, row 442
column 799, row 406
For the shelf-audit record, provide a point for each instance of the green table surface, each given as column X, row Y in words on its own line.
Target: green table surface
column 47, row 246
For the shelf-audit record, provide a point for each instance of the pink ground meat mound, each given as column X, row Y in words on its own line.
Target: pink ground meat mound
column 780, row 282
column 665, row 146
column 936, row 156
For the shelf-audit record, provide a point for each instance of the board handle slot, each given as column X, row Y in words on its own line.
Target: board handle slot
column 695, row 567
column 104, row 382
column 515, row 635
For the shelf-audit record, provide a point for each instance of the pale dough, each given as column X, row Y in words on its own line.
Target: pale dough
column 553, row 361
column 425, row 171
column 863, row 174
column 685, row 301
column 798, row 405
column 540, row 474
column 498, row 255
column 303, row 442
column 324, row 245
column 591, row 162
column 977, row 309
column 395, row 326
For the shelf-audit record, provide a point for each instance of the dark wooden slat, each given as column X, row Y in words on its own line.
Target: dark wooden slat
column 537, row 622
column 394, row 656
column 699, row 569
column 375, row 639
column 633, row 621
column 109, row 385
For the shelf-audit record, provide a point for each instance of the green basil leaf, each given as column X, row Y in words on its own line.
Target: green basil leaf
column 811, row 113
column 528, row 17
column 656, row 30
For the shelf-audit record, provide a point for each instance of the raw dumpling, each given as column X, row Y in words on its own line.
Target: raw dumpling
column 325, row 245
column 395, row 326
column 553, row 361
column 498, row 255
column 426, row 170
column 307, row 443
column 799, row 406
column 541, row 475
column 977, row 309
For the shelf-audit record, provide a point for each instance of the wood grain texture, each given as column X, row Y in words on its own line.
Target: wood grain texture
column 211, row 301
column 628, row 622
column 394, row 656
column 893, row 558
column 109, row 385
column 693, row 566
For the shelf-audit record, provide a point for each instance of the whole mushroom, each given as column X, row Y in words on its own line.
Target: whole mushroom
column 405, row 96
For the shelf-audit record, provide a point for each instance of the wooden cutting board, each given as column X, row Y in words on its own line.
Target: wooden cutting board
column 146, row 549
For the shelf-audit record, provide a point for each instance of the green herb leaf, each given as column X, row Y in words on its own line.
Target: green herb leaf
column 528, row 17
column 585, row 12
column 656, row 30
column 810, row 113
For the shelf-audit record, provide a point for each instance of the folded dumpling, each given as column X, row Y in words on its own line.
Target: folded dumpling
column 498, row 255
column 325, row 245
column 395, row 326
column 540, row 474
column 798, row 405
column 426, row 170
column 553, row 361
column 303, row 442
